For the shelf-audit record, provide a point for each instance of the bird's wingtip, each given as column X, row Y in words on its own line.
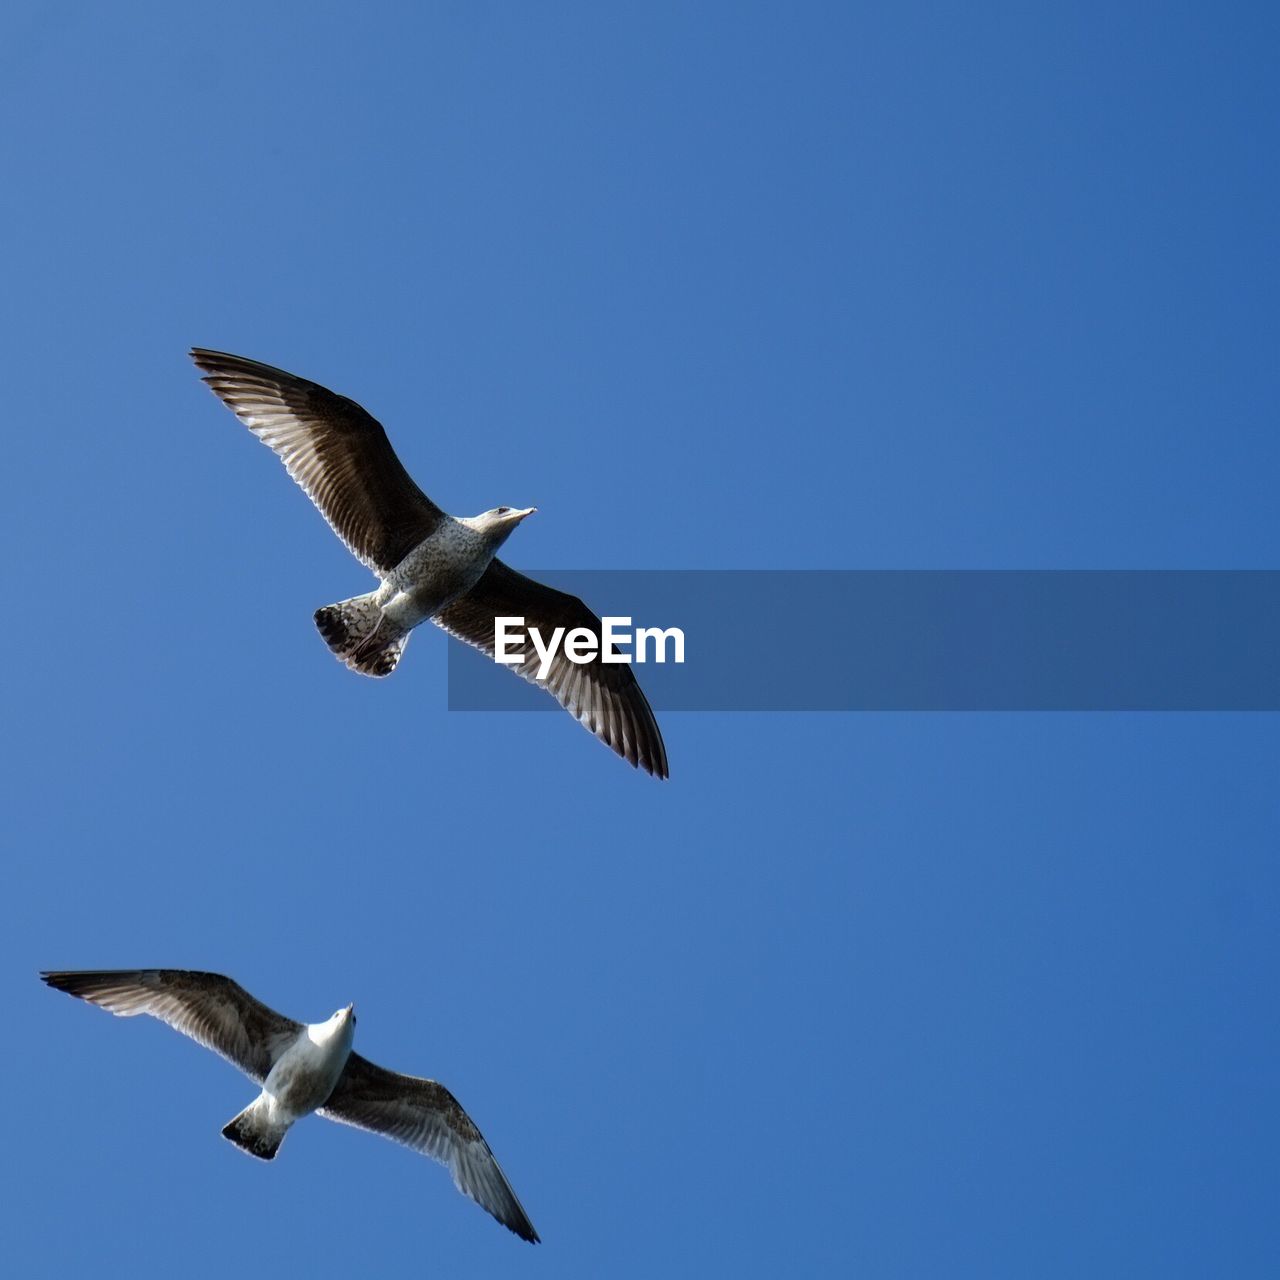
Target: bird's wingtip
column 525, row 1229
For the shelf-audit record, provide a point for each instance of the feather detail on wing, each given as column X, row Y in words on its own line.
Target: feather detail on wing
column 211, row 1009
column 604, row 697
column 425, row 1116
column 337, row 452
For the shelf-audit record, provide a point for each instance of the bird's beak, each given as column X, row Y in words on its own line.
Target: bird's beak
column 351, row 1008
column 520, row 515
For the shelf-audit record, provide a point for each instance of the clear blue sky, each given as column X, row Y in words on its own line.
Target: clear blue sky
column 715, row 286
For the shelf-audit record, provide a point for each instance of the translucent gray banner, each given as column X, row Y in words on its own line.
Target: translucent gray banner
column 931, row 640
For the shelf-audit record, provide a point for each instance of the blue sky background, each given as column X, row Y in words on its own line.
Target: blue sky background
column 725, row 286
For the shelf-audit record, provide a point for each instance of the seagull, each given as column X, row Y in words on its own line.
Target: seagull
column 304, row 1068
column 429, row 564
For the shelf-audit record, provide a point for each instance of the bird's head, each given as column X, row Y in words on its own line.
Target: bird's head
column 343, row 1022
column 496, row 525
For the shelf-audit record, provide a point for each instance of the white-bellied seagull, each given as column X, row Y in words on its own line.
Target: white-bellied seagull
column 429, row 564
column 304, row 1068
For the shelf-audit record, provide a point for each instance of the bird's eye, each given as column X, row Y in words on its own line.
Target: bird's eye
column 502, row 511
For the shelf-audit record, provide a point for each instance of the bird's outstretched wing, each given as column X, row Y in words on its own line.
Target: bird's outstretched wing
column 211, row 1009
column 337, row 452
column 604, row 697
column 424, row 1115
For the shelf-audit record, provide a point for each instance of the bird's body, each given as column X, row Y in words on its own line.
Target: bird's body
column 369, row 631
column 305, row 1073
column 442, row 567
column 300, row 1081
column 430, row 565
column 305, row 1068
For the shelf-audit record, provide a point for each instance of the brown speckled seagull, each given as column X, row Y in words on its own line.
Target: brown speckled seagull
column 303, row 1069
column 429, row 564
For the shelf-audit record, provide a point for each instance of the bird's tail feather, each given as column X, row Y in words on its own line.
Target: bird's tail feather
column 254, row 1131
column 358, row 633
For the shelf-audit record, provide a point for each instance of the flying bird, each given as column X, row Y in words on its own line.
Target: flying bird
column 304, row 1068
column 429, row 564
